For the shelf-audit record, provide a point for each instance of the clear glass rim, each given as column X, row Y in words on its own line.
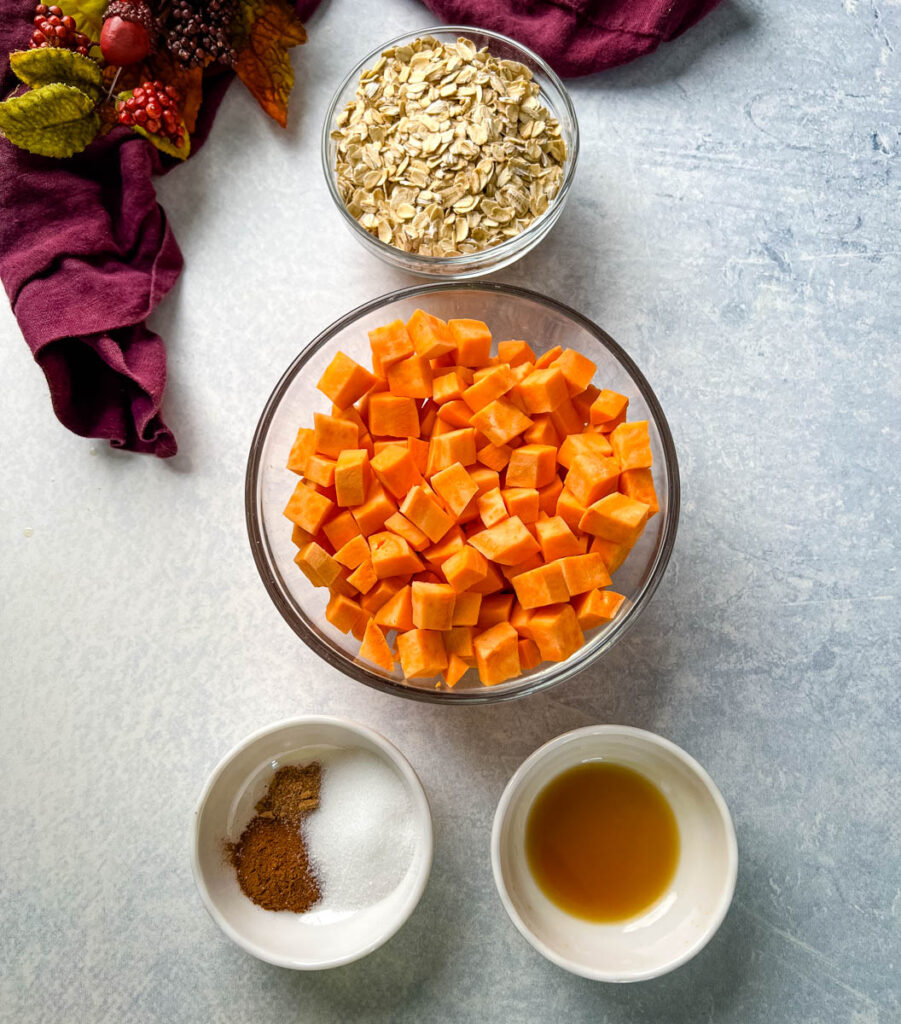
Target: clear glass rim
column 428, row 264
column 265, row 560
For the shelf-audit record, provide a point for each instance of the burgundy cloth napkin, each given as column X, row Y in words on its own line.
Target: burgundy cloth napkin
column 578, row 37
column 86, row 253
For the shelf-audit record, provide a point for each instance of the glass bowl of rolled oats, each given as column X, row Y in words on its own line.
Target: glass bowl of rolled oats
column 450, row 152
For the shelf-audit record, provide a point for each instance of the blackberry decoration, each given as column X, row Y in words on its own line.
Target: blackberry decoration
column 53, row 28
column 200, row 32
column 155, row 108
column 127, row 34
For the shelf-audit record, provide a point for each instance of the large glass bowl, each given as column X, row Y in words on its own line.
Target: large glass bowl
column 553, row 95
column 510, row 313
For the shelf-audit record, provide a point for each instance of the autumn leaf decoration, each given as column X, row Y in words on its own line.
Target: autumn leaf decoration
column 141, row 63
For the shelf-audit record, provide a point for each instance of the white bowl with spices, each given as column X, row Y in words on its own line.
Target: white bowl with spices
column 369, row 842
column 523, row 181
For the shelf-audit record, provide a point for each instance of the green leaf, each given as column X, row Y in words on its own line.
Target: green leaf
column 88, row 15
column 162, row 144
column 45, row 66
column 55, row 120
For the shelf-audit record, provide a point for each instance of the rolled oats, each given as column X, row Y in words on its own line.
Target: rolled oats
column 446, row 150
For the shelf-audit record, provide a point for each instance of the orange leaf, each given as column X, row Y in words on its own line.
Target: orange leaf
column 270, row 29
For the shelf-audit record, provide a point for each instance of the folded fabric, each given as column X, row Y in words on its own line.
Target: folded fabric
column 86, row 253
column 578, row 37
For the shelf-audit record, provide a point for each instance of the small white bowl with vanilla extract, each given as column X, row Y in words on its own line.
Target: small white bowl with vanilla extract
column 614, row 853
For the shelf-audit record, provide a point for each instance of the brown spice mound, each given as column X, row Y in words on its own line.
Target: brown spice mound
column 273, row 868
column 293, row 792
column 270, row 858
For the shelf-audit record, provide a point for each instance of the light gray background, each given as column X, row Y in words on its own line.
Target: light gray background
column 735, row 225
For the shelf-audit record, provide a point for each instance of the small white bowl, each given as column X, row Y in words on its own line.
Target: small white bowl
column 682, row 921
column 303, row 942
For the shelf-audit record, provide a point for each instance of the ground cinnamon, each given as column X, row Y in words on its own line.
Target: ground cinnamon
column 270, row 858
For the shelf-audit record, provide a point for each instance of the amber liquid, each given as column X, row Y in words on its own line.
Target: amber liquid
column 602, row 842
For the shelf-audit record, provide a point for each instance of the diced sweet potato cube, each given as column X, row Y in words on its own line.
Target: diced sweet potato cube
column 514, row 353
column 333, row 435
column 532, row 465
column 456, row 669
column 609, row 405
column 556, row 631
column 375, row 647
column 497, row 654
column 430, row 335
column 495, row 608
column 317, row 565
column 519, row 619
column 507, row 543
column 433, row 605
column 341, row 529
column 495, row 456
column 303, row 447
column 542, row 586
column 613, row 554
column 308, row 509
column 395, row 469
column 570, row 510
column 545, row 360
column 583, row 402
column 423, row 511
column 549, row 496
column 543, row 390
column 345, row 381
column 397, row 611
column 529, row 655
column 493, row 583
column 522, row 502
column 467, row 607
column 576, row 368
column 596, row 607
column 454, row 446
column 354, row 552
column 458, row 640
column 343, row 612
column 449, row 387
column 464, row 568
column 566, row 420
column 392, row 416
column 419, row 449
column 421, row 653
column 320, row 470
column 363, row 578
column 583, row 444
column 584, row 572
column 495, row 382
column 556, row 538
column 639, row 484
column 372, row 601
column 410, row 378
column 532, row 562
column 371, row 515
column 632, row 446
column 389, row 345
column 485, row 479
column 450, row 544
column 500, row 421
column 610, row 425
column 542, row 431
column 591, row 477
column 615, row 517
column 492, row 508
column 392, row 556
column 352, row 477
column 473, row 341
column 399, row 524
column 300, row 538
column 455, row 487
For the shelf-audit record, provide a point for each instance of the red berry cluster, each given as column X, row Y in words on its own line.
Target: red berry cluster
column 154, row 107
column 53, row 28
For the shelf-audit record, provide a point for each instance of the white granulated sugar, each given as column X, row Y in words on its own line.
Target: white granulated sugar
column 361, row 839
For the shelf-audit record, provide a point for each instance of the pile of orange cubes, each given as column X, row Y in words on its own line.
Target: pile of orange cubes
column 472, row 505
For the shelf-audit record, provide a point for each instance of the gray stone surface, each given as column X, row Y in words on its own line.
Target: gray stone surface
column 735, row 225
